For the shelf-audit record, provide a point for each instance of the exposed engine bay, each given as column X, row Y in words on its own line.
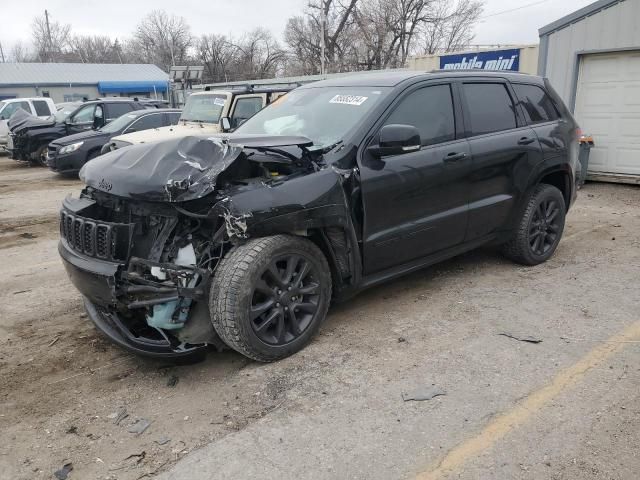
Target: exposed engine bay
column 154, row 225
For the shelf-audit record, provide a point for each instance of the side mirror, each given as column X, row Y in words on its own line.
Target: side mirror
column 396, row 139
column 225, row 123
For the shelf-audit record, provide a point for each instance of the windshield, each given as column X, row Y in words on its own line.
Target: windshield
column 119, row 123
column 324, row 114
column 203, row 108
column 62, row 114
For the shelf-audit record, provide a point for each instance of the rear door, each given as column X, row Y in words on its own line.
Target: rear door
column 416, row 203
column 504, row 150
column 543, row 116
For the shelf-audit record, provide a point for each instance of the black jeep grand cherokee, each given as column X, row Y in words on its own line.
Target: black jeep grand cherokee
column 244, row 239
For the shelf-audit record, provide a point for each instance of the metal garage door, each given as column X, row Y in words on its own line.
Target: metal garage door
column 608, row 107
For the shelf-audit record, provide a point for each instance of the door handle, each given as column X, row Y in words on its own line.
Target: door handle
column 454, row 156
column 526, row 140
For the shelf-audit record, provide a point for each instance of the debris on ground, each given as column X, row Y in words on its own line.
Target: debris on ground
column 72, row 430
column 163, row 440
column 63, row 473
column 401, row 339
column 138, row 457
column 118, row 416
column 139, row 427
column 522, row 338
column 173, row 381
column 426, row 393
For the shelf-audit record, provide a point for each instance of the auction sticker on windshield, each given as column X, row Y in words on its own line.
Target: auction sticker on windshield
column 218, row 101
column 348, row 99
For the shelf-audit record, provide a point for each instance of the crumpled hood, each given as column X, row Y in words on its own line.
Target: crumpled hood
column 169, row 132
column 175, row 170
column 22, row 120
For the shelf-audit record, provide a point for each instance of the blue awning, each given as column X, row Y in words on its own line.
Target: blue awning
column 132, row 87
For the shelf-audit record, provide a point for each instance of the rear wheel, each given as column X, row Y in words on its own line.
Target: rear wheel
column 41, row 156
column 270, row 296
column 540, row 227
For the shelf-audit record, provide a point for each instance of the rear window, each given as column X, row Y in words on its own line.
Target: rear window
column 490, row 107
column 537, row 105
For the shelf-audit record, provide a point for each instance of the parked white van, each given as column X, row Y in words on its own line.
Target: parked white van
column 37, row 106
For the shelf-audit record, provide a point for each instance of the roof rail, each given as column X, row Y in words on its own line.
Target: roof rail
column 249, row 88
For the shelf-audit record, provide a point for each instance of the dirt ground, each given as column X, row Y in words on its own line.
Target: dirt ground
column 336, row 409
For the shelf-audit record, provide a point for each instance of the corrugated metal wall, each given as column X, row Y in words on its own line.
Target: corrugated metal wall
column 613, row 28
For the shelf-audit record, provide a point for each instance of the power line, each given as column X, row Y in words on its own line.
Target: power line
column 513, row 9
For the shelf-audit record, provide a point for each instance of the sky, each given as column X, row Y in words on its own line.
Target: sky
column 118, row 18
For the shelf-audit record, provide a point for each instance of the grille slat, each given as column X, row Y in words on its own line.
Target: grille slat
column 93, row 238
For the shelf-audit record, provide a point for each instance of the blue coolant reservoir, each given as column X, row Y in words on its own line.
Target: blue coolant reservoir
column 162, row 315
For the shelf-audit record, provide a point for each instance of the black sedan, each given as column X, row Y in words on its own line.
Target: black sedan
column 67, row 155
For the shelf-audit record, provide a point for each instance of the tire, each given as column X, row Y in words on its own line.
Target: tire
column 41, row 156
column 539, row 229
column 253, row 288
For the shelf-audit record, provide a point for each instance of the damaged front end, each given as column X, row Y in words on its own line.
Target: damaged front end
column 143, row 240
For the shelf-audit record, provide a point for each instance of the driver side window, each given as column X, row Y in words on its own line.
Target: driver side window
column 84, row 115
column 430, row 110
column 245, row 109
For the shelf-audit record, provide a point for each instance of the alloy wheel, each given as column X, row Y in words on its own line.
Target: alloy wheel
column 544, row 226
column 285, row 299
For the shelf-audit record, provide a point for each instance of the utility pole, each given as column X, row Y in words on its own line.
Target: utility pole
column 323, row 26
column 1, row 52
column 46, row 17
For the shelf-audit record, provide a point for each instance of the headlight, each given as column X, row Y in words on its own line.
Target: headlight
column 70, row 148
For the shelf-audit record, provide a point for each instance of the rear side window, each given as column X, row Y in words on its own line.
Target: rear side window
column 538, row 106
column 490, row 108
column 114, row 110
column 430, row 110
column 42, row 108
column 173, row 118
column 145, row 123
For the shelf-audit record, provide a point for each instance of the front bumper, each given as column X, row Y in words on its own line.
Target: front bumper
column 96, row 281
column 68, row 163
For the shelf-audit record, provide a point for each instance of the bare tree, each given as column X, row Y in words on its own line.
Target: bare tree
column 451, row 26
column 217, row 54
column 50, row 39
column 162, row 39
column 95, row 49
column 20, row 53
column 303, row 34
column 259, row 54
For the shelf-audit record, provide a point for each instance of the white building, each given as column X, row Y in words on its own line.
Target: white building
column 68, row 82
column 592, row 58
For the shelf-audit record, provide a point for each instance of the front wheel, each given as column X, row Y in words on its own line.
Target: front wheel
column 270, row 295
column 540, row 227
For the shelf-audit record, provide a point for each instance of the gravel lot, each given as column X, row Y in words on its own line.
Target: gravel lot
column 565, row 408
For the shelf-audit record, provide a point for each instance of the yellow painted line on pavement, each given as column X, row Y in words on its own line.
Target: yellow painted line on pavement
column 506, row 422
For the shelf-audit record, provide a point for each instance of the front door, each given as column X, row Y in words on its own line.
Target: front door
column 415, row 203
column 82, row 120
